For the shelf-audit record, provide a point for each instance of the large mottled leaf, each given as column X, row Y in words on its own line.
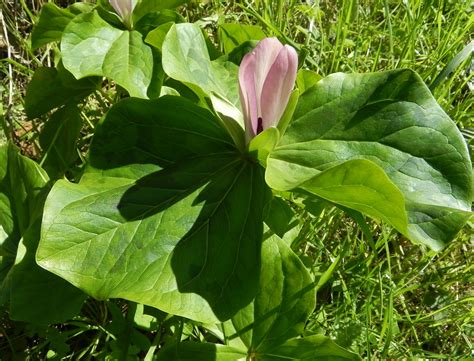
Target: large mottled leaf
column 85, row 44
column 50, row 88
column 91, row 46
column 169, row 214
column 185, row 58
column 392, row 120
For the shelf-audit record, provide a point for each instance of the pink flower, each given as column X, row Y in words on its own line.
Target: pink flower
column 124, row 8
column 266, row 77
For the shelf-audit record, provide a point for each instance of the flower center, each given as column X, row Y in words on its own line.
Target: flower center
column 259, row 125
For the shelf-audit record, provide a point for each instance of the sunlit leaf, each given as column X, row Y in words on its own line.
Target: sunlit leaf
column 91, row 46
column 392, row 120
column 185, row 58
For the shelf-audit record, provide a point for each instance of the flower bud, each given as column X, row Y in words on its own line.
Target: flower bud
column 266, row 78
column 124, row 8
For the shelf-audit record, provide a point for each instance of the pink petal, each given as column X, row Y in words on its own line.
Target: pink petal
column 117, row 6
column 266, row 52
column 278, row 85
column 123, row 7
column 248, row 98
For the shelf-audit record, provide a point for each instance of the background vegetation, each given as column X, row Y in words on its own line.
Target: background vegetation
column 386, row 299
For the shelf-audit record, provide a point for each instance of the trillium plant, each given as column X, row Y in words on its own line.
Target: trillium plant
column 206, row 153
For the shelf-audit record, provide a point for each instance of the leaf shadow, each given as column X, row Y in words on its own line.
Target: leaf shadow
column 215, row 251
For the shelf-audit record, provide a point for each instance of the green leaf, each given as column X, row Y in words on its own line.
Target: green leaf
column 306, row 79
column 151, row 21
column 145, row 7
column 236, row 55
column 23, row 187
column 30, row 282
column 128, row 341
column 289, row 111
column 52, row 22
column 144, row 320
column 169, row 214
column 91, row 46
column 213, row 51
column 157, row 36
column 232, row 119
column 361, row 185
column 185, row 58
column 21, row 191
column 157, row 76
column 392, row 120
column 312, row 348
column 233, row 35
column 280, row 218
column 130, row 63
column 107, row 12
column 261, row 146
column 193, row 351
column 166, row 90
column 264, row 329
column 58, row 139
column 285, row 299
column 21, row 184
column 80, row 7
column 50, row 88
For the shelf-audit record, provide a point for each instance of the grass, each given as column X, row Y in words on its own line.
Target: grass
column 387, row 299
column 394, row 300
